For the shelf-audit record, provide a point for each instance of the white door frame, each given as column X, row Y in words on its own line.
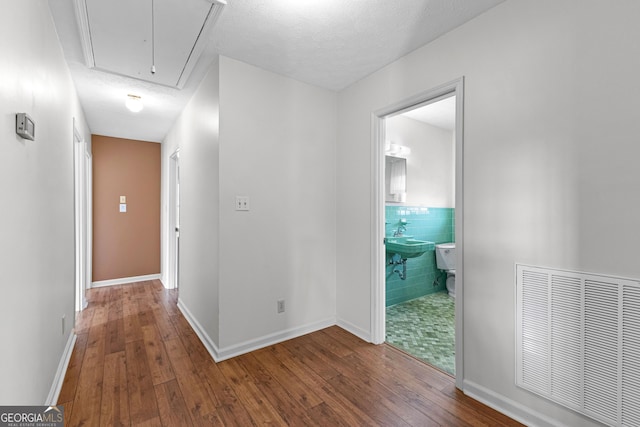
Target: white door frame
column 378, row 130
column 172, row 223
column 88, row 212
column 82, row 212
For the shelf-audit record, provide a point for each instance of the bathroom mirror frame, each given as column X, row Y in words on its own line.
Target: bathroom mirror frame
column 391, row 163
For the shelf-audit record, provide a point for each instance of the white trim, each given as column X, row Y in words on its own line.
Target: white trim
column 89, row 219
column 170, row 270
column 219, row 355
column 81, row 206
column 125, row 280
column 510, row 408
column 354, row 330
column 274, row 338
column 455, row 87
column 58, row 379
column 82, row 18
column 459, row 229
column 378, row 312
column 217, row 6
column 211, row 346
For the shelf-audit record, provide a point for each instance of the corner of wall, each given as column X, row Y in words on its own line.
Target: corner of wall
column 196, row 134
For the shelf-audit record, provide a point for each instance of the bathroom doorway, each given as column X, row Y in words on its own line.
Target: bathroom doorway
column 418, row 206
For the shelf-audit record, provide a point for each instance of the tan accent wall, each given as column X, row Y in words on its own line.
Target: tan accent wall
column 125, row 244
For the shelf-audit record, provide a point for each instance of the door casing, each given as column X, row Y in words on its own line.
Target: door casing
column 82, row 217
column 174, row 168
column 378, row 130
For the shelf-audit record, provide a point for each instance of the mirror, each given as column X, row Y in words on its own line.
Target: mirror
column 395, row 179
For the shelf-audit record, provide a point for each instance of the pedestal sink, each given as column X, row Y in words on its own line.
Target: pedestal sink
column 407, row 246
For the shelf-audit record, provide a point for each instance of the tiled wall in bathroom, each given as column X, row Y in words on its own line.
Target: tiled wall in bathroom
column 423, row 277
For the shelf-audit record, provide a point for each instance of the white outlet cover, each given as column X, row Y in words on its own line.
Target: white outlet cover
column 242, row 203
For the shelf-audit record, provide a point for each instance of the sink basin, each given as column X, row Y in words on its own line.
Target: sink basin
column 408, row 247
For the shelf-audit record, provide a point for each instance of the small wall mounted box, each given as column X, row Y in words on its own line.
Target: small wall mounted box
column 25, row 126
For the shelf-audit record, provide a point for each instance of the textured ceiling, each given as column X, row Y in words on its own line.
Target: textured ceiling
column 327, row 43
column 334, row 43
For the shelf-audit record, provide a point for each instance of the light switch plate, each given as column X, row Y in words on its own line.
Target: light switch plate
column 123, row 207
column 123, row 199
column 242, row 203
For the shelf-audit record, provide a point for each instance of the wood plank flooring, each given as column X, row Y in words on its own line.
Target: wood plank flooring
column 137, row 362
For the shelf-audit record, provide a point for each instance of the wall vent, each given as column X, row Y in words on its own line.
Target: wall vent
column 578, row 342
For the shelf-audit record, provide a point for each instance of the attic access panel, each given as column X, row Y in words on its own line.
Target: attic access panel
column 117, row 36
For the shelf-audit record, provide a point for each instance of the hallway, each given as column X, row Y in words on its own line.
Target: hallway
column 138, row 362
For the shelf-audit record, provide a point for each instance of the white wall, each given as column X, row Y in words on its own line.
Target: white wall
column 277, row 146
column 36, row 186
column 550, row 165
column 430, row 166
column 196, row 134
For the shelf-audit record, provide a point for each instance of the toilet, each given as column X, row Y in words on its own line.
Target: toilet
column 446, row 260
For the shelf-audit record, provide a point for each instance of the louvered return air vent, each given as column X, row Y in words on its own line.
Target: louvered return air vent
column 578, row 342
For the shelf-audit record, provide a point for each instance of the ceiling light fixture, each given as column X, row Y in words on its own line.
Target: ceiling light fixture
column 134, row 103
column 153, row 40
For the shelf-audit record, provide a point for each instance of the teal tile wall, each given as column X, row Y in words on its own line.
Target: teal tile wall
column 423, row 277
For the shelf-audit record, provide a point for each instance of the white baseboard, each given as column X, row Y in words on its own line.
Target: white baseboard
column 124, row 280
column 54, row 392
column 355, row 330
column 511, row 408
column 165, row 282
column 211, row 346
column 274, row 338
column 219, row 355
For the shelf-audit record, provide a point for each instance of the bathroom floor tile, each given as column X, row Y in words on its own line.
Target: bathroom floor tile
column 425, row 328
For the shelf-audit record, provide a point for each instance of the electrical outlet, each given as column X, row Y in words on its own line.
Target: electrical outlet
column 280, row 306
column 63, row 323
column 242, row 203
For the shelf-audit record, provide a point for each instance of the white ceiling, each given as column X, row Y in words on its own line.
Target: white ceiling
column 327, row 43
column 441, row 114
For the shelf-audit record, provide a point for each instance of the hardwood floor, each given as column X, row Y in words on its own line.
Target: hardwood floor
column 137, row 362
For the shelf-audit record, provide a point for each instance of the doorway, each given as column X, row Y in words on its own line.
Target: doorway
column 82, row 218
column 381, row 230
column 174, row 220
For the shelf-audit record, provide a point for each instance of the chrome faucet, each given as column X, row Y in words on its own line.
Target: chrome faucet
column 401, row 229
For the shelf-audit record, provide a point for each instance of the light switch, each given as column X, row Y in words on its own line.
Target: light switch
column 123, row 207
column 242, row 203
column 123, row 199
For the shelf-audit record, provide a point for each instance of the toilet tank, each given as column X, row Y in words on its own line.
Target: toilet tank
column 446, row 256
